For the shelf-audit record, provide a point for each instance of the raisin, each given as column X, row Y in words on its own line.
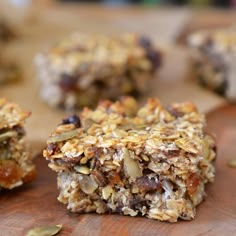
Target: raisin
column 154, row 57
column 145, row 42
column 192, row 183
column 67, row 83
column 137, row 203
column 147, row 184
column 51, row 148
column 174, row 111
column 114, row 178
column 74, row 119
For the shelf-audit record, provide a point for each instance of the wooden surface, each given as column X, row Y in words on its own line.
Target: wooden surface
column 36, row 204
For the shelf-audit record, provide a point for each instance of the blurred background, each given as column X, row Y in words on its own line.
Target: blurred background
column 216, row 3
column 38, row 24
column 221, row 3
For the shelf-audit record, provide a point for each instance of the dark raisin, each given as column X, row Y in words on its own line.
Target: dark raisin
column 172, row 153
column 144, row 42
column 51, row 148
column 147, row 171
column 74, row 160
column 137, row 203
column 99, row 178
column 99, row 84
column 74, row 119
column 114, row 178
column 20, row 131
column 154, row 57
column 68, row 83
column 119, row 208
column 146, row 184
column 222, row 88
column 174, row 111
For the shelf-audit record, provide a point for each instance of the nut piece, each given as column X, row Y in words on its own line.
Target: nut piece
column 131, row 166
column 106, row 192
column 87, row 184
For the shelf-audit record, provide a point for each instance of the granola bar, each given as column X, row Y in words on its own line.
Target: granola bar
column 214, row 60
column 153, row 161
column 82, row 69
column 16, row 165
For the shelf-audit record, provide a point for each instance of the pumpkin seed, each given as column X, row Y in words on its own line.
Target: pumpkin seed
column 63, row 136
column 7, row 135
column 47, row 230
column 232, row 163
column 130, row 165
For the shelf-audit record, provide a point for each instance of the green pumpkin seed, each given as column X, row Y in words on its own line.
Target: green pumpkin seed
column 47, row 230
column 7, row 135
column 63, row 136
column 232, row 163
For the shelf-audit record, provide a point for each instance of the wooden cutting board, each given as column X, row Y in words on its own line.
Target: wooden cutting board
column 36, row 203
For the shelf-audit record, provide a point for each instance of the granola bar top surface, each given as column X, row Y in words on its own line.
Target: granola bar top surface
column 11, row 114
column 94, row 51
column 221, row 40
column 120, row 124
column 175, row 131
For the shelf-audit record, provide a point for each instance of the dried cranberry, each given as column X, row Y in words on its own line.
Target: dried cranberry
column 74, row 119
column 192, row 183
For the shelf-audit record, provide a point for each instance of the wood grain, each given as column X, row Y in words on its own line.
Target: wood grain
column 36, row 204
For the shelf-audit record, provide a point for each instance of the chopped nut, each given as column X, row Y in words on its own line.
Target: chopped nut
column 130, row 165
column 87, row 184
column 82, row 169
column 107, row 191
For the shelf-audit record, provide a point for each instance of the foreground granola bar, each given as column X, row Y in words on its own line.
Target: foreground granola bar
column 82, row 69
column 153, row 161
column 16, row 165
column 214, row 60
